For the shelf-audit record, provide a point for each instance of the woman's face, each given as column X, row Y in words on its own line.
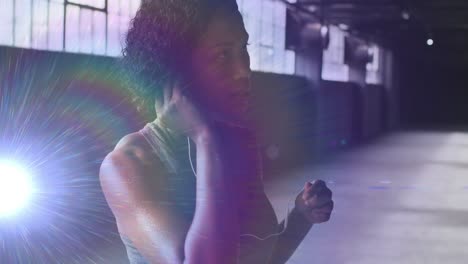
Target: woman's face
column 222, row 68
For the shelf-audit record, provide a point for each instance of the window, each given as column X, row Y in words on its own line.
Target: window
column 334, row 67
column 93, row 3
column 98, row 27
column 374, row 68
column 6, row 22
column 82, row 26
column 265, row 21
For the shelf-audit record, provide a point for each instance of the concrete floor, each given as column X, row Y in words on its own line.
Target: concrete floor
column 401, row 199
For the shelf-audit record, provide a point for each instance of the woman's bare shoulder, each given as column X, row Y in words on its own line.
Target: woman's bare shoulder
column 134, row 145
column 131, row 142
column 132, row 166
column 132, row 150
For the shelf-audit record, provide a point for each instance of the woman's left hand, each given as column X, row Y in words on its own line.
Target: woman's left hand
column 315, row 202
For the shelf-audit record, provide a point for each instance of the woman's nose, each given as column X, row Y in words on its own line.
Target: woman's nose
column 241, row 69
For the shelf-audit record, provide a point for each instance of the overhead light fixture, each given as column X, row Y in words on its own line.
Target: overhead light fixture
column 343, row 26
column 312, row 8
column 430, row 42
column 405, row 15
column 324, row 30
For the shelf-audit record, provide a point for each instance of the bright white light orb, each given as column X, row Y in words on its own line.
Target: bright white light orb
column 430, row 42
column 15, row 187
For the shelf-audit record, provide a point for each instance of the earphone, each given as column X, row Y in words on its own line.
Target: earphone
column 251, row 235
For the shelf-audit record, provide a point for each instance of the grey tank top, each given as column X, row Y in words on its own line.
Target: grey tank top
column 173, row 149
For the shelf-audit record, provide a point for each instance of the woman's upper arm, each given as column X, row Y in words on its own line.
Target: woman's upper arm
column 135, row 190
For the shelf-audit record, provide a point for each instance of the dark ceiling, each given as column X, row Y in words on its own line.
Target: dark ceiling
column 387, row 19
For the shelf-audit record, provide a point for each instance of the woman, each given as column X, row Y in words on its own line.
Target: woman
column 187, row 188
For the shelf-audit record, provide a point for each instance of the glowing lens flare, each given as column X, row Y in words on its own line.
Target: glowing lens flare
column 15, row 187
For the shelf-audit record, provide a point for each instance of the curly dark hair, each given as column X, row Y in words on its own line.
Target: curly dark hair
column 159, row 43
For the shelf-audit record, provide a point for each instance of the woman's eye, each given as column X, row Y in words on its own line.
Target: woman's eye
column 222, row 55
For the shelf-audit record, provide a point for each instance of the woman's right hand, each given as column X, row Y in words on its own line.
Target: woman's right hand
column 178, row 111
